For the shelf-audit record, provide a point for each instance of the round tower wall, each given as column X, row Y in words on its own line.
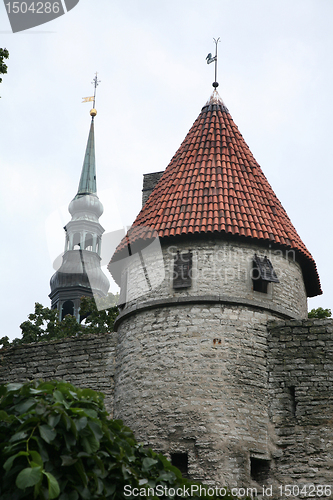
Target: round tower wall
column 191, row 373
column 220, row 268
column 192, row 379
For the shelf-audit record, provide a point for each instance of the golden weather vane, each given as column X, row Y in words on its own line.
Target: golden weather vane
column 211, row 59
column 95, row 82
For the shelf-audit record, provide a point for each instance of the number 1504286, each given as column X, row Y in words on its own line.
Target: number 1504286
column 33, row 7
column 308, row 490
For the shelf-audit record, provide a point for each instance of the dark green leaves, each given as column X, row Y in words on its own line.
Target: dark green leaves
column 47, row 433
column 53, row 486
column 147, row 463
column 29, row 477
column 57, row 442
column 44, row 323
column 18, row 436
column 4, row 54
column 9, row 462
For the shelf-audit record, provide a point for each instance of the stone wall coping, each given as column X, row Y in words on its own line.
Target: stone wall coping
column 305, row 322
column 201, row 299
column 67, row 340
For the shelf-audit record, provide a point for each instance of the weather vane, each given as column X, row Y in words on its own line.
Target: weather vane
column 211, row 59
column 95, row 82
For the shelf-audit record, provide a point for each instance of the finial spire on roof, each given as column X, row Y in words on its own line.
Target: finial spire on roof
column 93, row 111
column 87, row 183
column 211, row 59
column 95, row 82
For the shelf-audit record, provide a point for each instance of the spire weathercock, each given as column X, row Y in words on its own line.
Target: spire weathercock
column 93, row 111
column 211, row 59
column 80, row 273
column 95, row 82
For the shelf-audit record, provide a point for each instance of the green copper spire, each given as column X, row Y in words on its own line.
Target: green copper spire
column 87, row 183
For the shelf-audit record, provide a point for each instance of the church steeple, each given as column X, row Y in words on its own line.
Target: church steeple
column 80, row 273
column 87, row 183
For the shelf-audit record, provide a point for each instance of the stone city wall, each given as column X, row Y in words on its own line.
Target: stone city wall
column 85, row 361
column 194, row 379
column 300, row 365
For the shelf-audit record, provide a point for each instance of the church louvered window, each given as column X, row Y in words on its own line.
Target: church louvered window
column 262, row 274
column 182, row 272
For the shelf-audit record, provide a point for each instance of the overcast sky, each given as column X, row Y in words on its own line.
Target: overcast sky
column 276, row 77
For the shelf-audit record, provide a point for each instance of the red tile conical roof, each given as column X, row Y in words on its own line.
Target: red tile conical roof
column 213, row 184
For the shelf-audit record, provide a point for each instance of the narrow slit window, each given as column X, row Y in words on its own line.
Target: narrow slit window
column 182, row 272
column 293, row 403
column 262, row 274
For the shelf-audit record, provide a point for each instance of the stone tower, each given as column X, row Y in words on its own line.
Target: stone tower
column 191, row 375
column 80, row 273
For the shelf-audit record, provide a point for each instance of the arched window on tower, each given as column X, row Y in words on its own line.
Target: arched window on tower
column 76, row 241
column 67, row 308
column 88, row 244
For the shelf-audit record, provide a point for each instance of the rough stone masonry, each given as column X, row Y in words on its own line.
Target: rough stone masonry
column 299, row 367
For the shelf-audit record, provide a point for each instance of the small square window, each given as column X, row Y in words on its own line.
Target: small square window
column 180, row 460
column 182, row 270
column 262, row 274
column 259, row 469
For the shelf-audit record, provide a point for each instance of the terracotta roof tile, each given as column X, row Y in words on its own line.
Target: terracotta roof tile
column 215, row 180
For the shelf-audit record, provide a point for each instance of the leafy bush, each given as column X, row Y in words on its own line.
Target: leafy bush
column 4, row 54
column 320, row 313
column 56, row 441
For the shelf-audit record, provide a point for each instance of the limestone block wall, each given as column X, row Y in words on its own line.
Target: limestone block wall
column 193, row 379
column 300, row 366
column 208, row 380
column 220, row 268
column 86, row 361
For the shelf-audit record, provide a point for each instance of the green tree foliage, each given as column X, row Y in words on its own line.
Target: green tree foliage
column 4, row 54
column 44, row 323
column 56, row 442
column 320, row 313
